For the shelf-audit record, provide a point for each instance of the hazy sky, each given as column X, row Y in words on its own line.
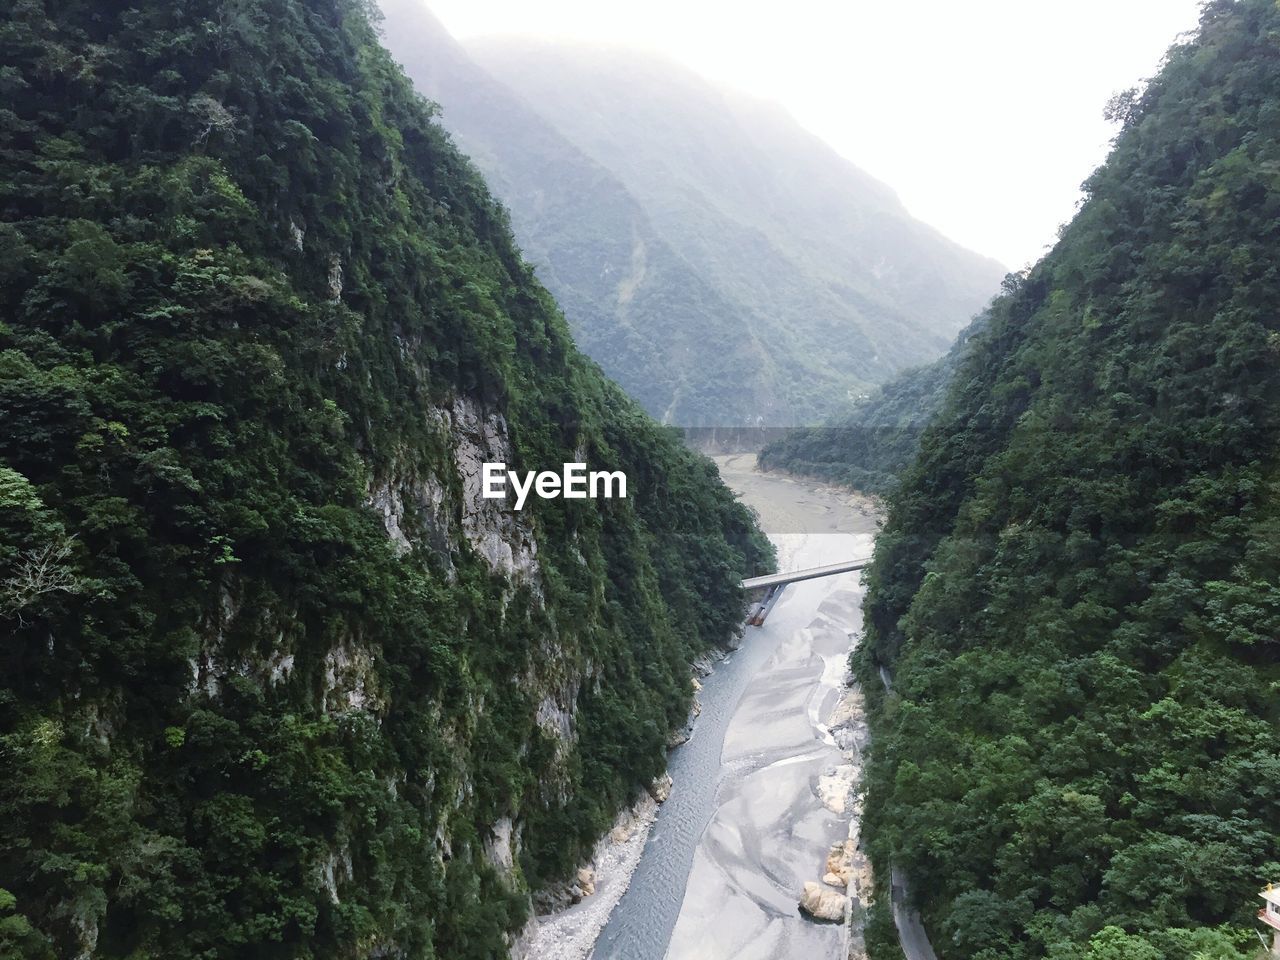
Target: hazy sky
column 984, row 115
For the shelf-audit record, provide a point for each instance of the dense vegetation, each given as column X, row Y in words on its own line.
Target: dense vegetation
column 726, row 267
column 869, row 446
column 246, row 286
column 1076, row 591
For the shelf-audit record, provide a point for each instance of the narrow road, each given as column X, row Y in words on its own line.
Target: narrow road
column 911, row 933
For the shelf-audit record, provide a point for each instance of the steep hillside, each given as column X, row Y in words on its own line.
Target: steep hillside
column 1076, row 592
column 722, row 264
column 274, row 680
column 868, row 447
column 632, row 303
column 755, row 202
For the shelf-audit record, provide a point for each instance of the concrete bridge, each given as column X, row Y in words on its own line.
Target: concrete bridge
column 795, row 576
column 773, row 584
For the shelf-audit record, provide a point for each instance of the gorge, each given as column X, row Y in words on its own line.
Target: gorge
column 311, row 650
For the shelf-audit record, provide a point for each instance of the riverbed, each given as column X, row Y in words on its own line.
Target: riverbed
column 746, row 824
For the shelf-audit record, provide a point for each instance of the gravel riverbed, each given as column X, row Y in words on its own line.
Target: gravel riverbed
column 764, row 788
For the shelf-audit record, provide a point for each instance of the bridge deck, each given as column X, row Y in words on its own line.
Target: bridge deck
column 777, row 579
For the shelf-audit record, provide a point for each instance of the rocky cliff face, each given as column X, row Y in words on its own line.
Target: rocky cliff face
column 274, row 680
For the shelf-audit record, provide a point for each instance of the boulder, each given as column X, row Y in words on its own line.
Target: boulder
column 703, row 666
column 586, row 881
column 660, row 789
column 823, row 904
column 835, row 787
column 840, row 863
column 623, row 828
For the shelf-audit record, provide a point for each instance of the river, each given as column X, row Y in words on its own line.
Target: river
column 745, row 826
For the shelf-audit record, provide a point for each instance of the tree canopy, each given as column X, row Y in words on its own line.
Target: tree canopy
column 1076, row 591
column 246, row 286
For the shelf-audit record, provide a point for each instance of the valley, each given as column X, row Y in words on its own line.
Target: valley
column 364, row 594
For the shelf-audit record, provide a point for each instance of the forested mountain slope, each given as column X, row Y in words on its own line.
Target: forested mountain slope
column 725, row 266
column 869, row 446
column 1076, row 591
column 275, row 681
column 632, row 303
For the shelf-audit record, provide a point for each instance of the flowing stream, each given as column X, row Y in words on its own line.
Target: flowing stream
column 746, row 824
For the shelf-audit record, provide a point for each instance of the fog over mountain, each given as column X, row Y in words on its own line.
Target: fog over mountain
column 721, row 263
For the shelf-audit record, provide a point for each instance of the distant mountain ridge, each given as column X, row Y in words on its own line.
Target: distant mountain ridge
column 720, row 262
column 868, row 446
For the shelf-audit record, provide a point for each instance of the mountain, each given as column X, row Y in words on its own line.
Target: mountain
column 869, row 446
column 724, row 265
column 1075, row 595
column 275, row 679
column 582, row 228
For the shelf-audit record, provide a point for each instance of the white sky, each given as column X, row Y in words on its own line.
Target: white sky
column 984, row 115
